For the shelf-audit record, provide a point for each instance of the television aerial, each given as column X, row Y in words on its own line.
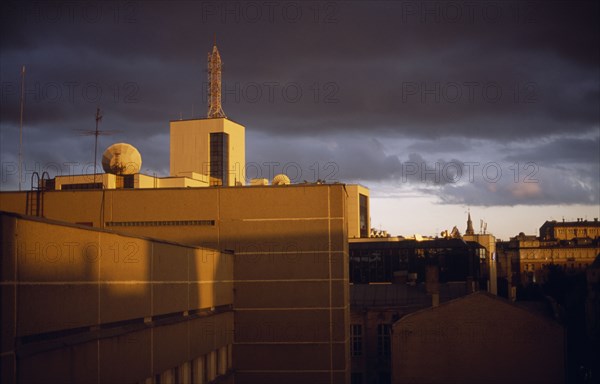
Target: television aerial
column 96, row 132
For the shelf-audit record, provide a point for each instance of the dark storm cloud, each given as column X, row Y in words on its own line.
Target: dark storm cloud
column 449, row 77
column 561, row 150
column 440, row 146
column 408, row 68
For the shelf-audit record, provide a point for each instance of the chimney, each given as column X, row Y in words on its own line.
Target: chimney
column 470, row 284
column 432, row 283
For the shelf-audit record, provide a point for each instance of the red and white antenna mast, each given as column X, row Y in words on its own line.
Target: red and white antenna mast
column 214, row 83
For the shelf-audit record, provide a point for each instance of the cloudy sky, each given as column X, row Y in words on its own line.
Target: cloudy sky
column 437, row 107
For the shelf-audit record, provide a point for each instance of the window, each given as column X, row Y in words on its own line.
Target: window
column 219, row 158
column 364, row 213
column 355, row 340
column 383, row 340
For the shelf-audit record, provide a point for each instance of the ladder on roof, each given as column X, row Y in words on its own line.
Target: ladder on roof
column 35, row 196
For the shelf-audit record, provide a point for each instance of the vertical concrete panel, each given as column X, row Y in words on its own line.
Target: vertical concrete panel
column 116, row 364
column 48, row 308
column 170, row 346
column 73, row 364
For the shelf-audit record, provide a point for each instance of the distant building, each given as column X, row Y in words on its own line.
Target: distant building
column 479, row 338
column 374, row 308
column 592, row 315
column 392, row 277
column 569, row 230
column 571, row 245
column 389, row 260
column 593, row 300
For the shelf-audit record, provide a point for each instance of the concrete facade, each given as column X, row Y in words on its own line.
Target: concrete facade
column 136, row 181
column 190, row 147
column 479, row 338
column 567, row 230
column 522, row 259
column 81, row 304
column 291, row 311
column 396, row 260
column 358, row 228
column 488, row 241
column 373, row 310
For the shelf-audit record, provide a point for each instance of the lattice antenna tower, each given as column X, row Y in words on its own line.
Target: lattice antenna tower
column 214, row 83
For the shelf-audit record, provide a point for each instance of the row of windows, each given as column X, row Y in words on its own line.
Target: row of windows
column 202, row 370
column 577, row 231
column 532, row 267
column 384, row 332
column 158, row 223
column 368, row 266
column 81, row 186
column 574, row 255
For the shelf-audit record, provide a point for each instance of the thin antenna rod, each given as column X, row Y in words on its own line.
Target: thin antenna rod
column 96, row 133
column 21, row 126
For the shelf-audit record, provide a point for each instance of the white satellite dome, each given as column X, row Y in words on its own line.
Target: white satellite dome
column 122, row 159
column 281, row 179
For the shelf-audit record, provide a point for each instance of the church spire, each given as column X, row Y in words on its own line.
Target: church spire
column 470, row 230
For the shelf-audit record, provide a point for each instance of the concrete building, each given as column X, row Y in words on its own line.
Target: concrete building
column 488, row 241
column 571, row 245
column 289, row 244
column 568, row 230
column 86, row 305
column 393, row 277
column 213, row 148
column 592, row 316
column 479, row 338
column 374, row 308
column 358, row 208
column 291, row 312
column 397, row 260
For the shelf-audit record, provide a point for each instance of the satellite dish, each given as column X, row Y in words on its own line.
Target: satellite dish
column 121, row 159
column 281, row 179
